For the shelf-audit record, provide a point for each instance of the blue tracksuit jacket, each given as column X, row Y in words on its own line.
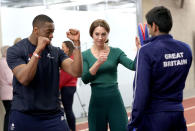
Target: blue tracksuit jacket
column 162, row 67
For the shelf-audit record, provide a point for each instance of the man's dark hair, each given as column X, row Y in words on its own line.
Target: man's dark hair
column 161, row 16
column 39, row 20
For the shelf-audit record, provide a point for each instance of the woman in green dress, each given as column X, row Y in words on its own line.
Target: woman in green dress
column 100, row 64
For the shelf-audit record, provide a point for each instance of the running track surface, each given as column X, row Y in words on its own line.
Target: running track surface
column 189, row 112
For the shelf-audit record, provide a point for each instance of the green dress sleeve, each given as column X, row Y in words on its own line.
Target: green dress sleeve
column 86, row 75
column 125, row 61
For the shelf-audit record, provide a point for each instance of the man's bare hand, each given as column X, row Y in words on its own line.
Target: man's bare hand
column 73, row 35
column 42, row 43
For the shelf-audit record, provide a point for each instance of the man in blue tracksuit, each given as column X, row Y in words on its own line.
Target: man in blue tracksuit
column 163, row 64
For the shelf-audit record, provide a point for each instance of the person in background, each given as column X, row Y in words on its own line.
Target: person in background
column 100, row 64
column 6, row 89
column 68, row 87
column 35, row 63
column 17, row 40
column 162, row 67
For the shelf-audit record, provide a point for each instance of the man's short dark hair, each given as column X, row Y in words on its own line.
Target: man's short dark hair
column 39, row 20
column 161, row 16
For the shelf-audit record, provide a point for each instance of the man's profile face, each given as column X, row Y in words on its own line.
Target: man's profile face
column 46, row 30
column 151, row 32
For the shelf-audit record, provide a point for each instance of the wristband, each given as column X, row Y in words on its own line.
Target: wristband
column 77, row 47
column 36, row 55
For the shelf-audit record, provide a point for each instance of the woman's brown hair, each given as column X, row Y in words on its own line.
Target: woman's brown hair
column 70, row 46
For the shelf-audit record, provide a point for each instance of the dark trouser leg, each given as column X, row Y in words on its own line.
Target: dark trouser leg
column 67, row 95
column 7, row 106
column 163, row 121
column 106, row 107
column 26, row 122
column 97, row 119
column 118, row 119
